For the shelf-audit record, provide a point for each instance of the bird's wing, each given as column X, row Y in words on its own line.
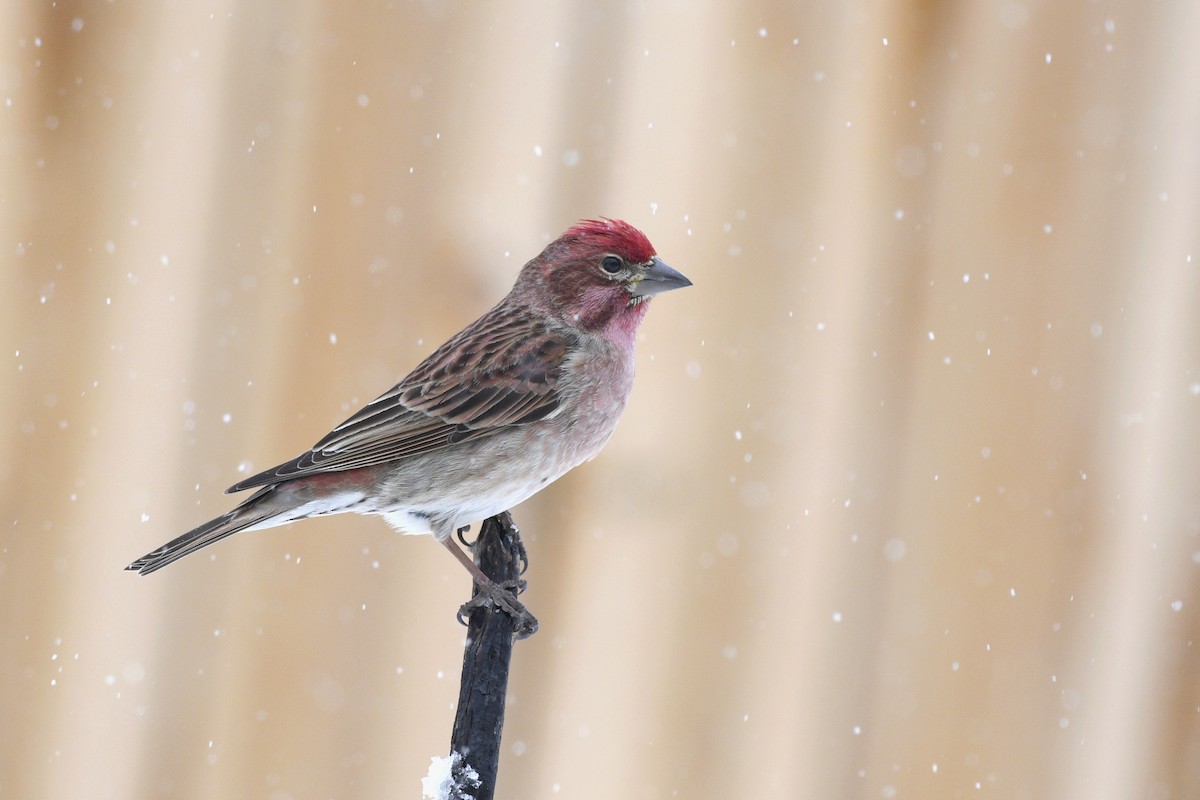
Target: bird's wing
column 504, row 370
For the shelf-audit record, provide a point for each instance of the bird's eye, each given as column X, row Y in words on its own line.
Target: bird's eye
column 611, row 265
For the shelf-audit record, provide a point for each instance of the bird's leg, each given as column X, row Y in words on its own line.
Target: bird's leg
column 488, row 592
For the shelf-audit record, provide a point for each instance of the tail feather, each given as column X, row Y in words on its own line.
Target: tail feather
column 249, row 514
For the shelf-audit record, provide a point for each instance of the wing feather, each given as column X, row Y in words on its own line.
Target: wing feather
column 503, row 370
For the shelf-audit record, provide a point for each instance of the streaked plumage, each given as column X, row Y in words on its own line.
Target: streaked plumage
column 525, row 393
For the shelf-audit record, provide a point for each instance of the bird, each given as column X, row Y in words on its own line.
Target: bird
column 518, row 398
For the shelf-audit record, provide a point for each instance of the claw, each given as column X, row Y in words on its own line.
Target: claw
column 459, row 534
column 522, row 556
column 498, row 597
column 522, row 553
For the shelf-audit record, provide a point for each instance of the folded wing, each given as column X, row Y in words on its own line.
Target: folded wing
column 503, row 370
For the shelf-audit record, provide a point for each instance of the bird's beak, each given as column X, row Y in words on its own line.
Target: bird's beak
column 660, row 277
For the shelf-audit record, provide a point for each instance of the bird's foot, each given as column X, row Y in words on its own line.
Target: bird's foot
column 461, row 534
column 502, row 597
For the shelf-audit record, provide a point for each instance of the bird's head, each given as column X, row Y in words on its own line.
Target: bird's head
column 600, row 274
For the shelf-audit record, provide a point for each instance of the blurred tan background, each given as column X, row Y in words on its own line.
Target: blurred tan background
column 905, row 503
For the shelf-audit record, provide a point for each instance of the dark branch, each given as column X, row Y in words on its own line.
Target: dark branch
column 490, row 632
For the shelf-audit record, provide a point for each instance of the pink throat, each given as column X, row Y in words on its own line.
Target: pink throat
column 608, row 313
column 623, row 327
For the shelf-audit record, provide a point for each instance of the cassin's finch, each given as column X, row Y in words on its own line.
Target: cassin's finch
column 524, row 394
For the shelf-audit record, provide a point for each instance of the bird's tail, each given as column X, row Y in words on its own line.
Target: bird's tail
column 254, row 512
